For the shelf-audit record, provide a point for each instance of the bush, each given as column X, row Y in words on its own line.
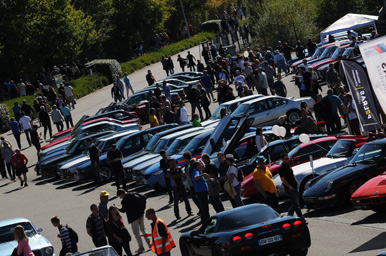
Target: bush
column 171, row 49
column 107, row 67
column 4, row 118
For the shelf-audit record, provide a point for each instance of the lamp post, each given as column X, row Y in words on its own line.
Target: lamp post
column 186, row 22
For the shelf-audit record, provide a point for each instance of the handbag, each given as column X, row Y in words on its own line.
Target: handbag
column 14, row 253
column 122, row 232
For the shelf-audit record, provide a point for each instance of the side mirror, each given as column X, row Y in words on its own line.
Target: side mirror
column 295, row 160
column 39, row 230
column 194, row 233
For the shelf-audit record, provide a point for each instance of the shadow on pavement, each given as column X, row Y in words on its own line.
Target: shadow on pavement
column 45, row 181
column 69, row 185
column 376, row 243
column 372, row 219
column 85, row 186
column 190, row 228
column 6, row 184
column 188, row 221
column 166, row 207
column 342, row 209
column 13, row 190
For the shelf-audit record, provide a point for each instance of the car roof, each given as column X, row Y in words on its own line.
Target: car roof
column 238, row 209
column 294, row 137
column 12, row 221
column 182, row 133
column 192, row 134
column 262, row 98
column 323, row 139
column 205, row 133
column 103, row 133
column 379, row 141
column 95, row 120
column 173, row 130
column 243, row 99
column 109, row 122
column 117, row 135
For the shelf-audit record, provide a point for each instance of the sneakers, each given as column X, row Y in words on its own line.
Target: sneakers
column 26, row 185
column 21, row 183
column 140, row 249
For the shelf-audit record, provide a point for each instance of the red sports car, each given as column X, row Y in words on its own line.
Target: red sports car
column 317, row 148
column 371, row 195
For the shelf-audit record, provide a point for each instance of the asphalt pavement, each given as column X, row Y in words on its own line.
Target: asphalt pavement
column 341, row 231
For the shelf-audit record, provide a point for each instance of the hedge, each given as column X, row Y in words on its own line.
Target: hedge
column 4, row 118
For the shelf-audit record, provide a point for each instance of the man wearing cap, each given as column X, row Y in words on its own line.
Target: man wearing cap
column 104, row 199
column 264, row 183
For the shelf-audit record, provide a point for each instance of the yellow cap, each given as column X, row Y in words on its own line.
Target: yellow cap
column 104, row 193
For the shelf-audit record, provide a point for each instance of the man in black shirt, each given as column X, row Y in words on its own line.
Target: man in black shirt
column 164, row 165
column 157, row 91
column 114, row 157
column 94, row 158
column 175, row 175
column 214, row 186
column 26, row 108
column 290, row 184
column 35, row 139
column 169, row 116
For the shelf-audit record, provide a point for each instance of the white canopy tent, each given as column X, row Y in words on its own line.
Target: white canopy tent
column 348, row 22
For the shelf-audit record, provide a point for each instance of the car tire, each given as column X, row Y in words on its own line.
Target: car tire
column 354, row 185
column 105, row 173
column 216, row 251
column 302, row 186
column 185, row 250
column 293, row 116
column 303, row 252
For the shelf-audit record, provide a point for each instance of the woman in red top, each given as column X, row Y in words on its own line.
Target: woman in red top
column 23, row 247
column 20, row 162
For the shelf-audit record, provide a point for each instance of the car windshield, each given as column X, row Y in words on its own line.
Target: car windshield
column 338, row 52
column 177, row 146
column 369, row 153
column 317, row 53
column 76, row 146
column 328, row 52
column 193, row 144
column 239, row 219
column 162, row 144
column 7, row 232
column 342, row 148
column 216, row 114
column 153, row 142
column 77, row 125
column 71, row 145
column 291, row 154
column 240, row 111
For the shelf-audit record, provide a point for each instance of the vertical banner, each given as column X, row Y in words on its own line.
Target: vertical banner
column 373, row 53
column 58, row 80
column 361, row 92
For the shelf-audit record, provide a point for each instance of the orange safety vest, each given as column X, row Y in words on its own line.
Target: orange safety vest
column 156, row 245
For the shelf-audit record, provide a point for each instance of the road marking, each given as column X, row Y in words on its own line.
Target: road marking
column 350, row 222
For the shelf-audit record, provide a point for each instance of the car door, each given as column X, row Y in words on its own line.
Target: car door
column 277, row 109
column 237, row 136
column 132, row 145
column 200, row 243
column 260, row 112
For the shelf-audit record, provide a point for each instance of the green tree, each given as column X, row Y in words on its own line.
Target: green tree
column 287, row 20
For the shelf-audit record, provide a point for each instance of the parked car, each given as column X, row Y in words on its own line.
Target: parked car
column 316, row 148
column 232, row 105
column 38, row 243
column 339, row 155
column 334, row 57
column 267, row 110
column 181, row 90
column 336, row 187
column 142, row 96
column 128, row 145
column 106, row 250
column 314, row 56
column 236, row 232
column 371, row 195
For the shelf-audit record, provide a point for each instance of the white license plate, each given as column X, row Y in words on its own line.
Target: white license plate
column 270, row 240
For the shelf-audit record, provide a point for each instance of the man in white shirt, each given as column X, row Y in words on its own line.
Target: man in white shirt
column 184, row 117
column 21, row 87
column 239, row 78
column 26, row 125
column 69, row 92
column 305, row 64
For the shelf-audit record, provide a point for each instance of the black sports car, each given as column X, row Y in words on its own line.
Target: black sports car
column 254, row 229
column 335, row 187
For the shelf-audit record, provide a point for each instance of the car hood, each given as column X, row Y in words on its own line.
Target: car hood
column 81, row 159
column 63, row 133
column 319, row 188
column 56, row 160
column 144, row 165
column 137, row 161
column 129, row 158
column 37, row 242
column 374, row 187
column 87, row 164
column 52, row 155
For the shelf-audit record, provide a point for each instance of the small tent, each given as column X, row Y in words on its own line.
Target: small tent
column 348, row 22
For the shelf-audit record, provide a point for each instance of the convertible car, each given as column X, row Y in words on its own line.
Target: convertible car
column 371, row 195
column 234, row 232
column 335, row 187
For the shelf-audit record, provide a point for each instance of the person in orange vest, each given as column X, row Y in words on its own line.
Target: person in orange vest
column 162, row 240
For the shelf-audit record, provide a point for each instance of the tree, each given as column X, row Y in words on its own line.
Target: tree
column 288, row 20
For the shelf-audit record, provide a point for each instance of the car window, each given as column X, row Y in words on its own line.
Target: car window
column 316, row 150
column 209, row 226
column 277, row 102
column 135, row 99
column 200, row 146
column 107, row 145
column 146, row 137
column 257, row 107
column 120, row 116
column 131, row 143
column 7, row 232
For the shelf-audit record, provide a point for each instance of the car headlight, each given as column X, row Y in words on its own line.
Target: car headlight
column 157, row 173
column 329, row 185
column 49, row 250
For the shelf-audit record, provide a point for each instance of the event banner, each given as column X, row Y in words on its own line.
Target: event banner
column 361, row 92
column 374, row 55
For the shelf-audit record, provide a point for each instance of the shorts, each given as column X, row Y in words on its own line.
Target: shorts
column 37, row 146
column 20, row 171
column 209, row 89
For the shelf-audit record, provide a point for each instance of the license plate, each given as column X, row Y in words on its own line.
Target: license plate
column 270, row 240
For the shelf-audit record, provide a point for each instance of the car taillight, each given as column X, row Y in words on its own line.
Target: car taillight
column 237, row 239
column 286, row 226
column 298, row 223
column 248, row 236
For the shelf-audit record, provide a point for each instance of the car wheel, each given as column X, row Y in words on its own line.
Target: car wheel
column 105, row 173
column 293, row 116
column 185, row 250
column 354, row 186
column 302, row 187
column 303, row 252
column 216, row 251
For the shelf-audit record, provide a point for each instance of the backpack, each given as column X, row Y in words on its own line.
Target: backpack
column 73, row 235
column 240, row 175
column 140, row 201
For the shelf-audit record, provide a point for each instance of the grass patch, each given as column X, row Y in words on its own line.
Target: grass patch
column 153, row 57
column 9, row 103
column 243, row 22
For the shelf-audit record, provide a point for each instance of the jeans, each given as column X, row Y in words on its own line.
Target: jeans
column 166, row 254
column 336, row 121
column 17, row 138
column 137, row 226
column 70, row 99
column 95, row 170
column 28, row 135
column 59, row 126
column 47, row 127
column 119, row 176
column 208, row 114
column 11, row 170
column 127, row 90
column 204, row 205
column 294, row 198
column 281, row 66
column 100, row 241
column 122, row 90
column 168, row 187
column 68, row 120
column 179, row 192
column 192, row 192
column 215, row 201
column 198, row 106
column 271, row 200
column 2, row 168
column 236, row 201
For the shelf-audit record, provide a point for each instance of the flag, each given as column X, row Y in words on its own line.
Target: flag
column 360, row 90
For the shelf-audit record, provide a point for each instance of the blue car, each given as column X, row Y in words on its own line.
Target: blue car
column 39, row 244
column 128, row 145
